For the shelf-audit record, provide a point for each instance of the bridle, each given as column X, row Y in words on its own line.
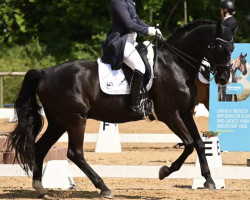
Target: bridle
column 227, row 45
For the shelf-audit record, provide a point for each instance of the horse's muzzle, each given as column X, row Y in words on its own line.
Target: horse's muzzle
column 221, row 81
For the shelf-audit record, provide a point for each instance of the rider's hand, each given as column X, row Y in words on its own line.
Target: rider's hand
column 152, row 31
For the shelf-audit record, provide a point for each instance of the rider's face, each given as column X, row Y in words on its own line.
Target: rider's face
column 222, row 13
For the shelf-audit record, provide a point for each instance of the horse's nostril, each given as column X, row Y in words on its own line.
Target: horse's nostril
column 222, row 81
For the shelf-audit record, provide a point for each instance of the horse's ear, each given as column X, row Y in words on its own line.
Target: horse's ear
column 241, row 54
column 245, row 55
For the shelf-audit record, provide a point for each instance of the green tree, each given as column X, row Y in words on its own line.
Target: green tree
column 12, row 22
column 42, row 33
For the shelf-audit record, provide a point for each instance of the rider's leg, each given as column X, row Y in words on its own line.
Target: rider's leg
column 132, row 58
column 134, row 61
column 136, row 84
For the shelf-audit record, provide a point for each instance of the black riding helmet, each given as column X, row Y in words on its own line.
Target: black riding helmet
column 228, row 5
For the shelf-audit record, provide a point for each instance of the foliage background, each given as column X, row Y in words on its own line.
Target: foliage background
column 42, row 33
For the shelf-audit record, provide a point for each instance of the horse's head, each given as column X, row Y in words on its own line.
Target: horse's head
column 204, row 38
column 220, row 51
column 243, row 62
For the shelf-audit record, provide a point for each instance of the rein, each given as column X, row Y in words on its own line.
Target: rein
column 186, row 58
column 182, row 55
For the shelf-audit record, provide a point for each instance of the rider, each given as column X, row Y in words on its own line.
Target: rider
column 227, row 11
column 120, row 44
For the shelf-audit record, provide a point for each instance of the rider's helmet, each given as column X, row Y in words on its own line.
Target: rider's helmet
column 228, row 5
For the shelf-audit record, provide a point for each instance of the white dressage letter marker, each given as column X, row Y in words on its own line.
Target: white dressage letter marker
column 108, row 140
column 213, row 155
column 58, row 175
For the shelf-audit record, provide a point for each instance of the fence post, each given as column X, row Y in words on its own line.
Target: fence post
column 1, row 91
column 2, row 74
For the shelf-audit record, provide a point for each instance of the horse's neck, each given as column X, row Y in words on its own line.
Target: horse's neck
column 189, row 53
column 195, row 47
column 193, row 41
column 169, row 61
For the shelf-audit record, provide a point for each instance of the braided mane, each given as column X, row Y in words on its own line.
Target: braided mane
column 192, row 25
column 195, row 23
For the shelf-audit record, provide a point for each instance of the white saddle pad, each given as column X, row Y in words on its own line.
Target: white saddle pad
column 113, row 81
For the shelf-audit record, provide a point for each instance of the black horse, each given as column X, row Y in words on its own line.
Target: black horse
column 70, row 94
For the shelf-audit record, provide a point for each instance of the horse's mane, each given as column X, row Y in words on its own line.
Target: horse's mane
column 191, row 26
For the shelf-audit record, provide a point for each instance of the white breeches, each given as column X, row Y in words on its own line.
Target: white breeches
column 132, row 57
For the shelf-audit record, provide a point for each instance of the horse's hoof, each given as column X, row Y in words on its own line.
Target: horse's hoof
column 106, row 194
column 37, row 185
column 43, row 196
column 164, row 172
column 72, row 187
column 177, row 146
column 209, row 185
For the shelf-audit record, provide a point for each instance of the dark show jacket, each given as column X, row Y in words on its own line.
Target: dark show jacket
column 124, row 20
column 231, row 23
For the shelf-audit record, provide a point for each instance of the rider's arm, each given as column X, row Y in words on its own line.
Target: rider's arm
column 120, row 10
column 141, row 22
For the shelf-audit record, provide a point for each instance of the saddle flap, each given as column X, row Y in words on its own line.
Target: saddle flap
column 146, row 52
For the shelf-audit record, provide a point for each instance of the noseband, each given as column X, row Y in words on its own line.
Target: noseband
column 228, row 46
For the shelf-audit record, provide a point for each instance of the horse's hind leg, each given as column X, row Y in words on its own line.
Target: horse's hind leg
column 178, row 127
column 42, row 146
column 200, row 148
column 75, row 154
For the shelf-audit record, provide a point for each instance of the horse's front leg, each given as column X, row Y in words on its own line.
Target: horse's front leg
column 200, row 148
column 176, row 124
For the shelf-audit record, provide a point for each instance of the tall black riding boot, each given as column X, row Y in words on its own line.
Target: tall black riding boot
column 136, row 83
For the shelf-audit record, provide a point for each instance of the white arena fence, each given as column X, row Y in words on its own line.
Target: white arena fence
column 200, row 110
column 124, row 171
column 132, row 138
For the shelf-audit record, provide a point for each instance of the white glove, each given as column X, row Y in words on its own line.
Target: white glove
column 152, row 31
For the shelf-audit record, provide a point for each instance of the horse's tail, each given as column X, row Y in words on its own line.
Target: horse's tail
column 30, row 121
